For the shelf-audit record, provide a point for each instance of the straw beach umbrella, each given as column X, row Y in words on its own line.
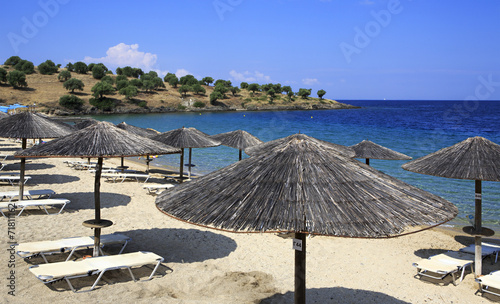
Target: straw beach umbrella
column 304, row 186
column 99, row 140
column 85, row 123
column 475, row 158
column 27, row 125
column 138, row 130
column 148, row 133
column 368, row 149
column 238, row 139
column 280, row 142
column 186, row 138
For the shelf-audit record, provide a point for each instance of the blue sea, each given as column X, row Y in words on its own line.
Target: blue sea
column 415, row 128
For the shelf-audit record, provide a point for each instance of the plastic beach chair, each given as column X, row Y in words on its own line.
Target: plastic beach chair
column 28, row 194
column 487, row 249
column 156, row 188
column 41, row 203
column 13, row 178
column 441, row 265
column 48, row 273
column 45, row 248
column 123, row 176
column 490, row 280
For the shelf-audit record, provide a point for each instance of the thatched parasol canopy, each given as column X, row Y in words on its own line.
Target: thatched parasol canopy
column 283, row 142
column 238, row 139
column 305, row 186
column 102, row 139
column 186, row 138
column 148, row 133
column 85, row 123
column 31, row 126
column 475, row 158
column 368, row 149
column 138, row 130
column 27, row 125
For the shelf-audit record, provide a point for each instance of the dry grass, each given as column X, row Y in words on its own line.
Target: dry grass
column 45, row 91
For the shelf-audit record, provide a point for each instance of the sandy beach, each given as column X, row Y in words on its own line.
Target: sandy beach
column 209, row 266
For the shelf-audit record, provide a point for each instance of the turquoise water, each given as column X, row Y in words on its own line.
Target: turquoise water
column 415, row 128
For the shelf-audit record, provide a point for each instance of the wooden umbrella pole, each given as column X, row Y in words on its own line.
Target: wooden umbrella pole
column 477, row 221
column 147, row 162
column 300, row 270
column 241, row 154
column 97, row 201
column 189, row 170
column 181, row 169
column 23, row 168
column 368, row 161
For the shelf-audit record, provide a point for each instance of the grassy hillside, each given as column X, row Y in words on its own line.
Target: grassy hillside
column 45, row 91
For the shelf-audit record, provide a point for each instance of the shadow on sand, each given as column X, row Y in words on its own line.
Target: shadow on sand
column 29, row 167
column 50, row 179
column 336, row 295
column 180, row 245
column 85, row 200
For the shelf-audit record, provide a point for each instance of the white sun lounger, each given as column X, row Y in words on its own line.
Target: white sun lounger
column 28, row 194
column 13, row 178
column 490, row 280
column 123, row 176
column 44, row 248
column 73, row 163
column 487, row 249
column 48, row 273
column 6, row 206
column 441, row 265
column 156, row 188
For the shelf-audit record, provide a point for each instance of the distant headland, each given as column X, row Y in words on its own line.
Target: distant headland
column 81, row 89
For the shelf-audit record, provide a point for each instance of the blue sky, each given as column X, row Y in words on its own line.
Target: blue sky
column 353, row 49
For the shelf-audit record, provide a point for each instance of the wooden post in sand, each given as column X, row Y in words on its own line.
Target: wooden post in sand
column 21, row 174
column 477, row 225
column 300, row 268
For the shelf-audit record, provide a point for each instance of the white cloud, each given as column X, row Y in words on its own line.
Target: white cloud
column 249, row 76
column 126, row 55
column 181, row 72
column 310, row 81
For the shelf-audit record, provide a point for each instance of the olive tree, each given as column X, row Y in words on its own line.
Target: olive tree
column 129, row 91
column 64, row 75
column 102, row 88
column 304, row 93
column 80, row 67
column 17, row 79
column 321, row 93
column 73, row 84
column 3, row 75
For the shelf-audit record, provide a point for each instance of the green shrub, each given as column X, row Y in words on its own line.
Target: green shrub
column 142, row 104
column 47, row 68
column 3, row 75
column 71, row 102
column 181, row 107
column 25, row 66
column 13, row 60
column 199, row 104
column 104, row 104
